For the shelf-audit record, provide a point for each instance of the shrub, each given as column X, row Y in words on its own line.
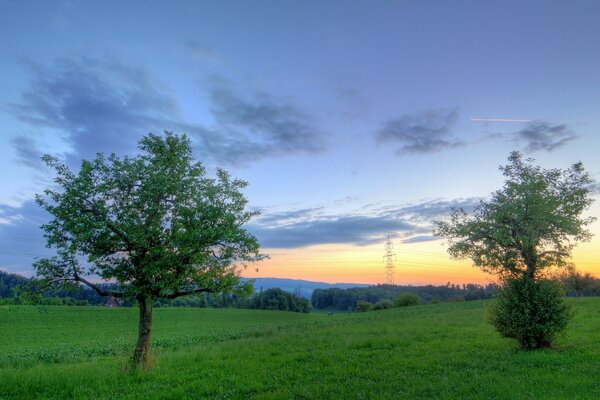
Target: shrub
column 532, row 312
column 407, row 299
column 363, row 306
column 435, row 300
column 383, row 304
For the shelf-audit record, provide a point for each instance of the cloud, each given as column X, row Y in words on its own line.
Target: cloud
column 594, row 187
column 27, row 150
column 542, row 135
column 313, row 226
column 427, row 211
column 21, row 239
column 263, row 125
column 420, row 239
column 422, row 132
column 358, row 230
column 104, row 105
column 202, row 51
column 97, row 105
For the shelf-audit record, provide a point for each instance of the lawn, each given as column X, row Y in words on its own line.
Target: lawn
column 444, row 351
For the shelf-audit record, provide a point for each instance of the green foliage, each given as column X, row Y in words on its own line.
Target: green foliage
column 407, row 299
column 532, row 223
column 532, row 312
column 346, row 299
column 363, row 306
column 278, row 299
column 580, row 283
column 383, row 304
column 154, row 223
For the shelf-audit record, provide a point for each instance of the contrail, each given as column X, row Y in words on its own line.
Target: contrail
column 500, row 120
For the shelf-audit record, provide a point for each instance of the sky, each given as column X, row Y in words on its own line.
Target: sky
column 352, row 121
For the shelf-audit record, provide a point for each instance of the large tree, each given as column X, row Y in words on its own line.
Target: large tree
column 532, row 223
column 528, row 226
column 153, row 223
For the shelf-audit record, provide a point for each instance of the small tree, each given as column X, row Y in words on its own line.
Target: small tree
column 531, row 224
column 153, row 223
column 407, row 300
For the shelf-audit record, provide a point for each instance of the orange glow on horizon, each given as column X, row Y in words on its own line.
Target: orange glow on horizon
column 416, row 264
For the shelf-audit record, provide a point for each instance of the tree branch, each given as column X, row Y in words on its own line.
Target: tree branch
column 188, row 292
column 112, row 227
column 97, row 288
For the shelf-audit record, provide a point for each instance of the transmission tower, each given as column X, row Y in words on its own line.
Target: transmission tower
column 389, row 258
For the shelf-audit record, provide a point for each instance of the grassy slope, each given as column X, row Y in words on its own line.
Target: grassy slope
column 437, row 351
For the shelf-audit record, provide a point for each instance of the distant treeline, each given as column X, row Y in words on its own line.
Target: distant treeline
column 11, row 289
column 12, row 286
column 347, row 299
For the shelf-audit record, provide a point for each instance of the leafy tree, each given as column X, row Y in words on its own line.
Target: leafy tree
column 279, row 299
column 406, row 300
column 363, row 306
column 531, row 224
column 580, row 282
column 383, row 304
column 153, row 223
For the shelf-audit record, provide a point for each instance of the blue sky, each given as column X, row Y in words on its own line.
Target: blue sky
column 351, row 121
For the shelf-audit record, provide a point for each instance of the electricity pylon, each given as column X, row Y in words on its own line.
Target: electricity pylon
column 389, row 258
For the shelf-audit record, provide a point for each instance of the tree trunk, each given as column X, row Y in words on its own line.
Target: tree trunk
column 140, row 356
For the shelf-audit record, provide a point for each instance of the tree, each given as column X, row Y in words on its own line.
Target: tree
column 579, row 282
column 531, row 224
column 153, row 223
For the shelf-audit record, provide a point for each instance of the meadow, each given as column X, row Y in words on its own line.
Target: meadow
column 444, row 351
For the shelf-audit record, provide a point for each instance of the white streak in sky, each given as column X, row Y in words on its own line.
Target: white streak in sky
column 500, row 120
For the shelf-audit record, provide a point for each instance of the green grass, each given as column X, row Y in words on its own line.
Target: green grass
column 442, row 351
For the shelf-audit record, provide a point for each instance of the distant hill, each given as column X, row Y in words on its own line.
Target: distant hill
column 305, row 288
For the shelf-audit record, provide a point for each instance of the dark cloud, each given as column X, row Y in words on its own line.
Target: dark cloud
column 103, row 105
column 420, row 239
column 311, row 226
column 594, row 187
column 96, row 105
column 359, row 230
column 423, row 132
column 428, row 211
column 276, row 126
column 541, row 135
column 27, row 150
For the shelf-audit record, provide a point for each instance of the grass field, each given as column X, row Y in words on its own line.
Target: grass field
column 437, row 351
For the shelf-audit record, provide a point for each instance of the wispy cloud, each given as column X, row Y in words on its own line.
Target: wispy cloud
column 279, row 127
column 358, row 230
column 28, row 152
column 201, row 51
column 422, row 132
column 372, row 224
column 21, row 239
column 104, row 105
column 542, row 135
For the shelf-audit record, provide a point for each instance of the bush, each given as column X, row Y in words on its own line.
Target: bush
column 435, row 300
column 363, row 306
column 532, row 312
column 407, row 299
column 278, row 299
column 383, row 305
